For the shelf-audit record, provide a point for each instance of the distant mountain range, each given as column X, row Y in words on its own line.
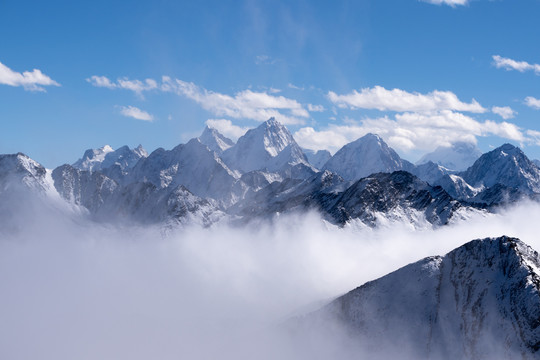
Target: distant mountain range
column 480, row 301
column 265, row 173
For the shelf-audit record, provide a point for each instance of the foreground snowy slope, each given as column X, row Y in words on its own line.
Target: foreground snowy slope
column 480, row 301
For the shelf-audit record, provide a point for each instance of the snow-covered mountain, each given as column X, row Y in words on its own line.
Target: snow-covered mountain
column 317, row 158
column 365, row 156
column 458, row 157
column 480, row 301
column 506, row 165
column 192, row 165
column 269, row 147
column 20, row 169
column 215, row 140
column 106, row 157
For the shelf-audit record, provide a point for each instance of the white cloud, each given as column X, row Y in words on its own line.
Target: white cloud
column 532, row 102
column 30, row 80
column 101, row 81
column 315, row 108
column 399, row 100
column 136, row 113
column 410, row 131
column 247, row 104
column 137, row 86
column 509, row 64
column 506, row 112
column 451, row 3
column 259, row 106
column 227, row 128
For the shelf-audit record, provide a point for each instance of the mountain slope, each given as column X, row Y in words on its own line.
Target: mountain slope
column 365, row 156
column 480, row 301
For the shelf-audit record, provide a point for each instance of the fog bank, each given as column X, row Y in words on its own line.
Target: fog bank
column 73, row 289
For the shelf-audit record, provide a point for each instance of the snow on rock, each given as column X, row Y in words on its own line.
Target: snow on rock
column 365, row 156
column 106, row 157
column 192, row 165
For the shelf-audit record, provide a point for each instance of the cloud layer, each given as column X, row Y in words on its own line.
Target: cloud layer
column 399, row 100
column 409, row 131
column 30, row 80
column 247, row 104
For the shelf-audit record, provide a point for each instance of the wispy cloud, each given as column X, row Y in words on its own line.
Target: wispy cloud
column 292, row 86
column 315, row 108
column 399, row 100
column 264, row 60
column 510, row 64
column 506, row 112
column 452, row 3
column 410, row 131
column 30, row 80
column 136, row 113
column 247, row 104
column 532, row 102
column 227, row 128
column 137, row 86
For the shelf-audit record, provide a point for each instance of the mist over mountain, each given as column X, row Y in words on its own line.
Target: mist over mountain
column 459, row 156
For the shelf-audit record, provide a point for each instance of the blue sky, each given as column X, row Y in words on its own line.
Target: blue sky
column 419, row 73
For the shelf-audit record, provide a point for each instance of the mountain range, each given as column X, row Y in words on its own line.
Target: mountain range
column 266, row 173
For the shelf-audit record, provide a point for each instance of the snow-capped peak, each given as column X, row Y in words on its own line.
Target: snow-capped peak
column 106, row 156
column 459, row 156
column 258, row 148
column 364, row 156
column 21, row 168
column 506, row 165
column 215, row 140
